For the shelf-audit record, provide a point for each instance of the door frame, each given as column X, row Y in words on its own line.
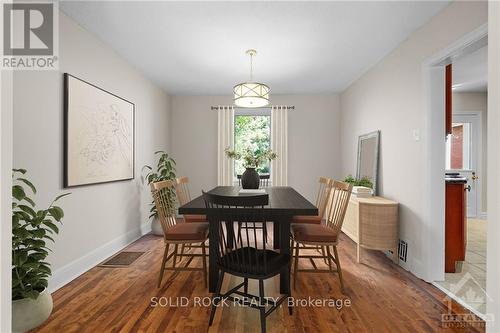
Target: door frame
column 433, row 198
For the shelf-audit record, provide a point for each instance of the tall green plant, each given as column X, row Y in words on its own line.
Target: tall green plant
column 165, row 170
column 31, row 229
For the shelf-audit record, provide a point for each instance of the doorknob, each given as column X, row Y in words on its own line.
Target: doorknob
column 474, row 177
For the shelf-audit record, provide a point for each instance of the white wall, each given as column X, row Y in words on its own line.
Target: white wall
column 313, row 139
column 5, row 199
column 390, row 98
column 493, row 244
column 99, row 218
column 477, row 101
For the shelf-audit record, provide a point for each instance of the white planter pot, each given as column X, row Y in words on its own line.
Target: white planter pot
column 156, row 227
column 29, row 313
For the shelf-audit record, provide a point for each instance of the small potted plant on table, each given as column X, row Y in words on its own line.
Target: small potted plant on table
column 252, row 160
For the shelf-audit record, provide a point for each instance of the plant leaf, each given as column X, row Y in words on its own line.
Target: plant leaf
column 27, row 209
column 27, row 182
column 51, row 226
column 56, row 212
column 18, row 192
column 31, row 202
column 61, row 196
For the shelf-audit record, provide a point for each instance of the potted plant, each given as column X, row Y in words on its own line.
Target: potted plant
column 364, row 181
column 31, row 229
column 252, row 160
column 165, row 170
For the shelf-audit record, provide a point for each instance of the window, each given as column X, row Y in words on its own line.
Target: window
column 458, row 147
column 252, row 130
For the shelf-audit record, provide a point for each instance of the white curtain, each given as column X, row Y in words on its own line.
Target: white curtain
column 225, row 140
column 279, row 144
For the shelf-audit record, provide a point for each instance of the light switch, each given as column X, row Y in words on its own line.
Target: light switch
column 416, row 134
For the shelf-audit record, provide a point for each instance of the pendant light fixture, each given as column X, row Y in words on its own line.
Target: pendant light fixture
column 251, row 94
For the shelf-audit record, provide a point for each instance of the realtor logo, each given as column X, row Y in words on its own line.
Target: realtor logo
column 29, row 36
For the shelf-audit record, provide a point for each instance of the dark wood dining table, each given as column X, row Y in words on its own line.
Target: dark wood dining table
column 284, row 203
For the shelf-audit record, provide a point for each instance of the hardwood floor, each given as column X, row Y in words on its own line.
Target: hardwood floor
column 383, row 298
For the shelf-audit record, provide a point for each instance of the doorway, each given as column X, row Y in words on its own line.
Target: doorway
column 463, row 156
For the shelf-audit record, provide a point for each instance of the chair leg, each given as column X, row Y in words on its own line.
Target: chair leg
column 262, row 307
column 245, row 286
column 324, row 254
column 204, row 263
column 296, row 265
column 264, row 230
column 163, row 261
column 176, row 248
column 329, row 258
column 290, row 309
column 339, row 269
column 182, row 252
column 214, row 300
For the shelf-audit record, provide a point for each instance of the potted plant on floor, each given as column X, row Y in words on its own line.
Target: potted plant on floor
column 31, row 229
column 252, row 160
column 165, row 170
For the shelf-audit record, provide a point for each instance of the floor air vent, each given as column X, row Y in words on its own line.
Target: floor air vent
column 403, row 250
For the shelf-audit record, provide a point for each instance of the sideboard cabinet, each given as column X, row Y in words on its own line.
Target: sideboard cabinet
column 373, row 223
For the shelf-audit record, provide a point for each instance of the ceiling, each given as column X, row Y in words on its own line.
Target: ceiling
column 198, row 48
column 470, row 72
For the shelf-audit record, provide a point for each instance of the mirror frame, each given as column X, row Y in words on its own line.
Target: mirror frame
column 376, row 135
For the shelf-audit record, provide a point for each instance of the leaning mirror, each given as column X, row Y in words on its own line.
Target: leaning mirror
column 368, row 157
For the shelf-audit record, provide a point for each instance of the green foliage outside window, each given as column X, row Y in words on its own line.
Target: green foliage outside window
column 252, row 133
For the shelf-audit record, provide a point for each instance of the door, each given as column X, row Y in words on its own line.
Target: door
column 462, row 154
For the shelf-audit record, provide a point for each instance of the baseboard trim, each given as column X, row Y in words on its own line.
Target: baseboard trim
column 71, row 271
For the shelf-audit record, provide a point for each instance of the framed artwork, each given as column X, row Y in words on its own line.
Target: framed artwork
column 98, row 134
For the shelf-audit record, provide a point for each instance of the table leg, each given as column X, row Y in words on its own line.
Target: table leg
column 213, row 272
column 276, row 235
column 284, row 237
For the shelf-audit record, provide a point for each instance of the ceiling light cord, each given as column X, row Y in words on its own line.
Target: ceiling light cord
column 251, row 53
column 251, row 66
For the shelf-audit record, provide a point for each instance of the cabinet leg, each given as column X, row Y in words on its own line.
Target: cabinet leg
column 358, row 252
column 395, row 256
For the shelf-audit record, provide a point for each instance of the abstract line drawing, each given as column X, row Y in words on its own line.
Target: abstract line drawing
column 99, row 134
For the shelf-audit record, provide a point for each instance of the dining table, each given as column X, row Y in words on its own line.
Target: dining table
column 284, row 203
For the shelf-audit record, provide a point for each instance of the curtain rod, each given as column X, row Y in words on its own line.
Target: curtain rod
column 291, row 107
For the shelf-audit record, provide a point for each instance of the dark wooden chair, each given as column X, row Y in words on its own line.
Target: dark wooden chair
column 242, row 252
column 264, row 179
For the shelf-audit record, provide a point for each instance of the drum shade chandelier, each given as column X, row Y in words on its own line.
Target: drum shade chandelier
column 251, row 94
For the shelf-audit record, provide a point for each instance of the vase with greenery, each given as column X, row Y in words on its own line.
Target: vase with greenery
column 165, row 170
column 32, row 228
column 252, row 159
column 363, row 181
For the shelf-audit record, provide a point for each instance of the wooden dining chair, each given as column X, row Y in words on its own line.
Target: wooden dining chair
column 192, row 234
column 307, row 236
column 325, row 184
column 184, row 196
column 242, row 252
